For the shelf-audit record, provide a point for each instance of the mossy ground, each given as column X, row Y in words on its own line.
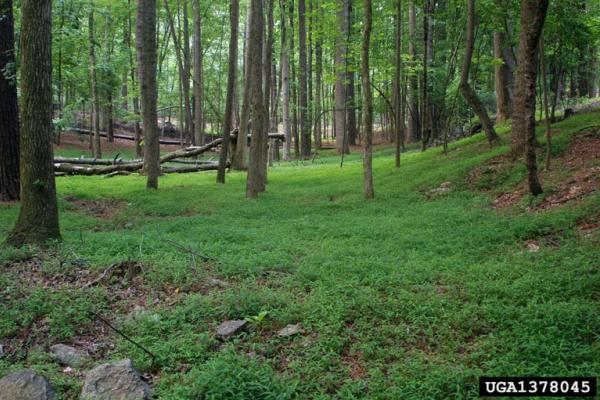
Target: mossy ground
column 408, row 296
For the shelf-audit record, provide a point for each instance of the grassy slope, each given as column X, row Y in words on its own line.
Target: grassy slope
column 400, row 297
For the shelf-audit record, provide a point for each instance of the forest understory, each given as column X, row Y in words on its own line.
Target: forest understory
column 454, row 271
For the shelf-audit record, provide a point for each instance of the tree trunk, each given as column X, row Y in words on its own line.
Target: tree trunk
column 238, row 157
column 341, row 53
column 398, row 118
column 318, row 80
column 533, row 15
column 503, row 77
column 255, row 183
column 414, row 124
column 267, row 64
column 367, row 105
column 133, row 72
column 304, row 128
column 146, row 50
column 94, row 85
column 285, row 84
column 546, row 107
column 426, row 112
column 38, row 217
column 198, row 75
column 466, row 90
column 9, row 110
column 234, row 17
column 351, row 128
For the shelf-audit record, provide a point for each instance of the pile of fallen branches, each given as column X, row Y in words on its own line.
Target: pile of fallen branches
column 117, row 166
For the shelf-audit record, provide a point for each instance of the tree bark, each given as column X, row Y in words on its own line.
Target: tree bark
column 255, row 183
column 234, row 17
column 398, row 118
column 38, row 217
column 414, row 124
column 546, row 107
column 503, row 80
column 146, row 50
column 304, row 123
column 340, row 95
column 368, row 191
column 285, row 84
column 238, row 158
column 96, row 146
column 9, row 109
column 199, row 76
column 466, row 90
column 318, row 79
column 533, row 15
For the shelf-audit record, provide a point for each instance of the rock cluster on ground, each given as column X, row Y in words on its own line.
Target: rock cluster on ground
column 69, row 356
column 228, row 329
column 115, row 381
column 25, row 385
column 290, row 330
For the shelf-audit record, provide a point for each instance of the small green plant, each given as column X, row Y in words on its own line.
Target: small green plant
column 257, row 319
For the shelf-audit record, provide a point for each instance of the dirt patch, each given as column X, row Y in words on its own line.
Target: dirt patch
column 572, row 176
column 589, row 226
column 99, row 208
column 486, row 177
column 356, row 364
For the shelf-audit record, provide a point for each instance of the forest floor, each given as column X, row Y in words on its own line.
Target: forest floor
column 451, row 273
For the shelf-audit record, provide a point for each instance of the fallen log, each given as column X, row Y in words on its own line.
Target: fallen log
column 92, row 161
column 195, row 168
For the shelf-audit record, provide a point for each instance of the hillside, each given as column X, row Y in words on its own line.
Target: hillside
column 451, row 273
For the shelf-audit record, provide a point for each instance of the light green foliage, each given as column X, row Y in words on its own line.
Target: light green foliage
column 401, row 297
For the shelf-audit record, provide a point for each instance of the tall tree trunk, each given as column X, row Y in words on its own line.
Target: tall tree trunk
column 254, row 183
column 546, row 107
column 367, row 104
column 426, row 111
column 94, row 85
column 318, row 80
column 398, row 118
column 503, row 77
column 38, row 216
column 133, row 71
column 304, row 128
column 267, row 64
column 414, row 124
column 533, row 15
column 234, row 18
column 9, row 109
column 238, row 157
column 146, row 50
column 183, row 64
column 285, row 83
column 110, row 122
column 198, row 74
column 466, row 90
column 351, row 124
column 341, row 53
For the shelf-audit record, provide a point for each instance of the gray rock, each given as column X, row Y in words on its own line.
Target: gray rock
column 230, row 328
column 213, row 282
column 115, row 381
column 1, row 351
column 25, row 385
column 290, row 330
column 69, row 356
